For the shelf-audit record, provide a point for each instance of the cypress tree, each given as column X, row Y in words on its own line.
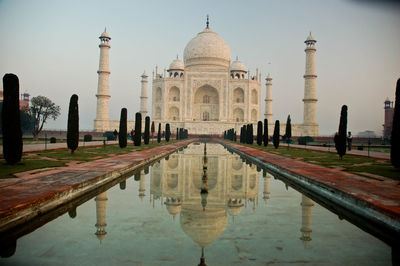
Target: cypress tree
column 259, row 133
column 147, row 130
column 159, row 133
column 275, row 137
column 11, row 121
column 167, row 132
column 123, row 128
column 395, row 137
column 265, row 136
column 153, row 129
column 73, row 124
column 138, row 129
column 288, row 132
column 251, row 135
column 177, row 133
column 341, row 138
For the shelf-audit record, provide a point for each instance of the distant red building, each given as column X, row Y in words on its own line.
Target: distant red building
column 387, row 126
column 23, row 101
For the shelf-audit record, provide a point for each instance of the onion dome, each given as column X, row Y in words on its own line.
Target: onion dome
column 105, row 35
column 310, row 39
column 238, row 66
column 207, row 48
column 177, row 64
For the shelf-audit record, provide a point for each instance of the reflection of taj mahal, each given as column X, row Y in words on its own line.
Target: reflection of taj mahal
column 232, row 185
column 206, row 93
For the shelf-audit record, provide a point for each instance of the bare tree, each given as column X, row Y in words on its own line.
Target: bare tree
column 41, row 109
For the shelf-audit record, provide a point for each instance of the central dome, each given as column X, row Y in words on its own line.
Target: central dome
column 207, row 48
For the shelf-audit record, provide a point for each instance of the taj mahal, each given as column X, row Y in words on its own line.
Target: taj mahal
column 206, row 93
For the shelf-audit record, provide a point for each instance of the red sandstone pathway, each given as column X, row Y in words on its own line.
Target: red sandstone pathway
column 26, row 194
column 383, row 196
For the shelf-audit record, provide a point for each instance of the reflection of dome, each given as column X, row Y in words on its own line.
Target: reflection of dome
column 177, row 64
column 203, row 227
column 207, row 48
column 235, row 207
column 173, row 209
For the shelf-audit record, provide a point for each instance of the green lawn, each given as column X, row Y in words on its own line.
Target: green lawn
column 57, row 158
column 350, row 163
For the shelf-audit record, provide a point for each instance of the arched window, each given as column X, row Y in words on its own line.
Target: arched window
column 254, row 98
column 206, row 116
column 206, row 99
column 238, row 76
column 176, row 74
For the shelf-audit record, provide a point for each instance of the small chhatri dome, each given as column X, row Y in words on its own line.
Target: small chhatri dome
column 105, row 34
column 237, row 66
column 177, row 64
column 310, row 38
column 207, row 48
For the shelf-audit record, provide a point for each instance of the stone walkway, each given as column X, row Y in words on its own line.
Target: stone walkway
column 24, row 198
column 380, row 199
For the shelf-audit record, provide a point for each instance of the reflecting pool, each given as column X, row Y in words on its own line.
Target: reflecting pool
column 199, row 206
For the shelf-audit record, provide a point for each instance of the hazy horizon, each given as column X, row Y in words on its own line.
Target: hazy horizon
column 53, row 48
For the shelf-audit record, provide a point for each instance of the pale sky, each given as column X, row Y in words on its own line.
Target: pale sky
column 53, row 47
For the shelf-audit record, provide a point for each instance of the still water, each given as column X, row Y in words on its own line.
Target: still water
column 179, row 212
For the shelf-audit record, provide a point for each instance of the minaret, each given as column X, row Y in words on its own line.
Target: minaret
column 268, row 99
column 306, row 216
column 266, row 192
column 143, row 96
column 310, row 96
column 101, row 202
column 101, row 123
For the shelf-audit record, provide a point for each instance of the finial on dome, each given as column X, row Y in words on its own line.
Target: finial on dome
column 208, row 22
column 105, row 29
column 177, row 57
column 237, row 58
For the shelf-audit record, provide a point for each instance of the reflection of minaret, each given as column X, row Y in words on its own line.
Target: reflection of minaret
column 101, row 202
column 142, row 185
column 204, row 179
column 266, row 192
column 306, row 216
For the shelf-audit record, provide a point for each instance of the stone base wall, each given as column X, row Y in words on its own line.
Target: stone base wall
column 217, row 127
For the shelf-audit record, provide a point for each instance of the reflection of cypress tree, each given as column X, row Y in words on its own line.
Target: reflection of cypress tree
column 159, row 133
column 123, row 130
column 167, row 132
column 276, row 135
column 147, row 130
column 265, row 136
column 138, row 129
column 11, row 121
column 341, row 139
column 395, row 138
column 122, row 185
column 259, row 133
column 73, row 124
